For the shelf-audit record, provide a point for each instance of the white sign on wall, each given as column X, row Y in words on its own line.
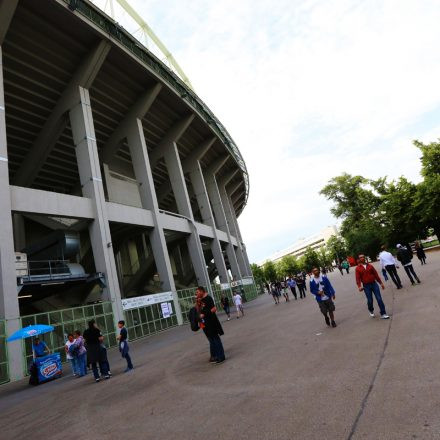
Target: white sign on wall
column 236, row 283
column 146, row 300
column 247, row 281
column 224, row 286
column 165, row 310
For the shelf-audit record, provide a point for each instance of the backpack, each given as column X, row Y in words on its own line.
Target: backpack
column 193, row 317
column 73, row 350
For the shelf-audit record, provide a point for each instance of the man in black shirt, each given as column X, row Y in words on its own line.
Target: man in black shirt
column 93, row 338
column 210, row 324
column 123, row 345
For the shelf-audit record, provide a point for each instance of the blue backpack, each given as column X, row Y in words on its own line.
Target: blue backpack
column 73, row 350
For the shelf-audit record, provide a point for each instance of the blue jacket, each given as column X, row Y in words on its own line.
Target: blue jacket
column 326, row 286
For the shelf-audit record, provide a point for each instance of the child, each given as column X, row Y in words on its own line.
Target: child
column 384, row 273
column 238, row 304
column 72, row 359
column 225, row 304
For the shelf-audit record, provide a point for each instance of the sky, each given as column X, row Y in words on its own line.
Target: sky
column 308, row 90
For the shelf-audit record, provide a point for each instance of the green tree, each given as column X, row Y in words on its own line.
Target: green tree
column 337, row 247
column 325, row 257
column 311, row 260
column 288, row 265
column 269, row 271
column 400, row 221
column 365, row 240
column 427, row 199
column 354, row 200
column 258, row 274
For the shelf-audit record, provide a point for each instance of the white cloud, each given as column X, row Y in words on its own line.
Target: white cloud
column 309, row 89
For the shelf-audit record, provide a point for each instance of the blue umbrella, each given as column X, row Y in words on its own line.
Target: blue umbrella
column 30, row 331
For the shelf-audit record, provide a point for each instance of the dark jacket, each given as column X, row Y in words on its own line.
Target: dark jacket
column 420, row 252
column 212, row 326
column 404, row 256
column 93, row 345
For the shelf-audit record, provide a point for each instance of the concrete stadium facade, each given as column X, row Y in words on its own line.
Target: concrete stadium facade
column 116, row 180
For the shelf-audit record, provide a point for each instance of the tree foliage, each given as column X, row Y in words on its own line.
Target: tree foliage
column 258, row 274
column 269, row 271
column 376, row 212
column 337, row 247
column 310, row 260
column 427, row 199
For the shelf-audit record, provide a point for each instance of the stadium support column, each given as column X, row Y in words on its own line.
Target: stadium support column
column 144, row 177
column 219, row 212
column 83, row 132
column 9, row 308
column 198, row 183
column 230, row 215
column 178, row 184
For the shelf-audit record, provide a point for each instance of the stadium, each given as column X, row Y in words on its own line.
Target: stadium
column 119, row 190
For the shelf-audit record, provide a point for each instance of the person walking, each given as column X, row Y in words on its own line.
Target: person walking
column 345, row 265
column 304, row 277
column 340, row 269
column 225, row 304
column 388, row 262
column 366, row 280
column 123, row 345
column 238, row 301
column 405, row 256
column 69, row 356
column 210, row 325
column 292, row 286
column 321, row 287
column 384, row 274
column 274, row 292
column 285, row 291
column 301, row 286
column 420, row 253
column 95, row 357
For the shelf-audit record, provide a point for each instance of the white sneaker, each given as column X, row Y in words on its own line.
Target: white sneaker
column 372, row 314
column 385, row 316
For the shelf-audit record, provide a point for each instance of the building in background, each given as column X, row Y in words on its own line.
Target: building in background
column 299, row 248
column 116, row 180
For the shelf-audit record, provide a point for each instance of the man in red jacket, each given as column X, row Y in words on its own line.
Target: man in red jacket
column 366, row 280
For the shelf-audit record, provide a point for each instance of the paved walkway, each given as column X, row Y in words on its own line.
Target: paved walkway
column 287, row 377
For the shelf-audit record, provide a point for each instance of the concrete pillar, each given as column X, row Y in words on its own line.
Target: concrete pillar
column 198, row 183
column 83, row 132
column 178, row 184
column 9, row 307
column 19, row 232
column 144, row 176
column 230, row 216
column 240, row 239
column 222, row 224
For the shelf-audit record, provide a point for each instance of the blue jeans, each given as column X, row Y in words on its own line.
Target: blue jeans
column 370, row 289
column 81, row 364
column 127, row 357
column 74, row 365
column 216, row 347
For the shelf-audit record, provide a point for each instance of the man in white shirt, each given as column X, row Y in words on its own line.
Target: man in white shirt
column 238, row 304
column 388, row 262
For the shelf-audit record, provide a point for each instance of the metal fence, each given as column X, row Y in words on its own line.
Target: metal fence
column 148, row 320
column 4, row 370
column 67, row 321
column 186, row 301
